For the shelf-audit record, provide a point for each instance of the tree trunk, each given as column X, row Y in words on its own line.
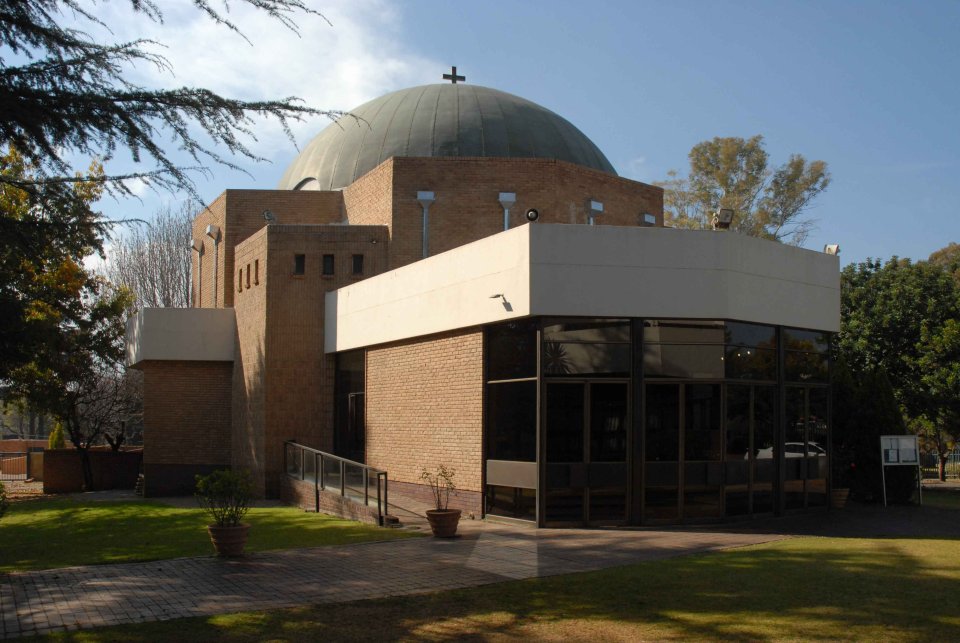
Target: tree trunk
column 87, row 468
column 942, row 466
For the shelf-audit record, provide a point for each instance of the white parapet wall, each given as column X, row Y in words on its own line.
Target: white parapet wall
column 188, row 334
column 579, row 270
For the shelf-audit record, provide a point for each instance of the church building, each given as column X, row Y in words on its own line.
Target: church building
column 455, row 275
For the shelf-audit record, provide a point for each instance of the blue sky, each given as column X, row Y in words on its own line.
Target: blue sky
column 869, row 87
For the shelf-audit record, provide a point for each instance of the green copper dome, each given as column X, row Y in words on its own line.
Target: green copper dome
column 438, row 120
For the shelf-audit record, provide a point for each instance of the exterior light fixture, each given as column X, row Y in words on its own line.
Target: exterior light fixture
column 499, row 295
column 269, row 216
column 532, row 215
column 722, row 219
column 425, row 198
column 594, row 209
column 214, row 233
column 507, row 199
column 832, row 248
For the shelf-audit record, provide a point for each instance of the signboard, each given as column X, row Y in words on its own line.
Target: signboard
column 900, row 450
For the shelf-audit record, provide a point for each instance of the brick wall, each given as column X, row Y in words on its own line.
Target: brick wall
column 424, row 404
column 186, row 420
column 283, row 380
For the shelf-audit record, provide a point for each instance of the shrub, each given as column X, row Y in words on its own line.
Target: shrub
column 441, row 484
column 3, row 500
column 56, row 439
column 225, row 495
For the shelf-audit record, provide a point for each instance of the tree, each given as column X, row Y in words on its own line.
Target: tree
column 939, row 363
column 65, row 94
column 153, row 260
column 735, row 173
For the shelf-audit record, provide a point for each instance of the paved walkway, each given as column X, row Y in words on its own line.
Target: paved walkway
column 93, row 596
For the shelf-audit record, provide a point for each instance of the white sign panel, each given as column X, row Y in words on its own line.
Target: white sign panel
column 899, row 449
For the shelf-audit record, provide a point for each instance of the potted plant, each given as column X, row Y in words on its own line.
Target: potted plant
column 225, row 496
column 443, row 521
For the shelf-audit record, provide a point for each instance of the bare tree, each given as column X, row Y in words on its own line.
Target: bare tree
column 153, row 260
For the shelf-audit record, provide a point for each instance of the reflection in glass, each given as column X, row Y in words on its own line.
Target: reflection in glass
column 511, row 350
column 608, row 422
column 580, row 359
column 764, row 425
column 587, row 330
column 807, row 367
column 817, row 444
column 691, row 361
column 806, row 340
column 701, row 450
column 564, row 437
column 748, row 363
column 756, row 335
column 662, row 448
column 737, row 452
column 512, row 421
column 512, row 502
column 683, row 331
column 349, row 436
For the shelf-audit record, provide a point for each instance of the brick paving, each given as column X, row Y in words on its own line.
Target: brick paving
column 93, row 596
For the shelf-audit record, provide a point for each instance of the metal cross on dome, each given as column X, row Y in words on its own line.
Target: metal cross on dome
column 452, row 76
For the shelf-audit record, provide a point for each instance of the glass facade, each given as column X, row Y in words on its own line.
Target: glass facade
column 640, row 421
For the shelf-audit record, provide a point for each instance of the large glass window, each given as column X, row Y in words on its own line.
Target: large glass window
column 737, row 450
column 662, row 448
column 511, row 350
column 350, row 434
column 701, row 451
column 512, row 421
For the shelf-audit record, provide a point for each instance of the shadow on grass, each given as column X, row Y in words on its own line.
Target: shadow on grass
column 805, row 588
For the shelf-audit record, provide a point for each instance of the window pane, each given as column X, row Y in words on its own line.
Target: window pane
column 806, row 340
column 681, row 331
column 328, row 264
column 738, row 423
column 512, row 502
column 807, row 367
column 608, row 423
column 742, row 334
column 564, row 422
column 662, row 423
column 683, row 361
column 511, row 350
column 748, row 363
column 588, row 330
column 358, row 264
column 576, row 359
column 702, row 420
column 512, row 421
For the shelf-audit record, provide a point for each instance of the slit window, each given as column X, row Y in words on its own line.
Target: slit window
column 240, row 280
column 256, row 272
column 299, row 264
column 358, row 264
column 328, row 265
column 248, row 275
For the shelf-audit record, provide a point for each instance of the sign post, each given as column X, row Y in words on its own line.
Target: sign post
column 900, row 450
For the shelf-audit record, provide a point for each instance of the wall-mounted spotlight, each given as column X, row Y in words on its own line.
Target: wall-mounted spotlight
column 594, row 209
column 499, row 295
column 832, row 248
column 269, row 216
column 532, row 215
column 722, row 219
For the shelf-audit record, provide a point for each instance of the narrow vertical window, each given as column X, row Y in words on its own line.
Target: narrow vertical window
column 358, row 264
column 240, row 280
column 248, row 275
column 328, row 265
column 256, row 272
column 299, row 264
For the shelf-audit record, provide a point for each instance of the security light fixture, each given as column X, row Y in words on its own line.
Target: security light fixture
column 499, row 295
column 832, row 248
column 532, row 215
column 722, row 219
column 594, row 209
column 507, row 199
column 269, row 217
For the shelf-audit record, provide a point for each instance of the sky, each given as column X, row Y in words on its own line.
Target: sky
column 869, row 87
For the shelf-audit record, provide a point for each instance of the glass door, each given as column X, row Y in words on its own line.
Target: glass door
column 586, row 428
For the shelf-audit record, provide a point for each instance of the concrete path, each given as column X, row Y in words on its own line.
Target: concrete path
column 93, row 596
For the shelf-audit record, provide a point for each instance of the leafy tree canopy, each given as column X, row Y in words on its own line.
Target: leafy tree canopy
column 735, row 173
column 64, row 94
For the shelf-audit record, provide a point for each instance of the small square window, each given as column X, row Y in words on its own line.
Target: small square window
column 256, row 272
column 328, row 265
column 358, row 264
column 299, row 264
column 649, row 219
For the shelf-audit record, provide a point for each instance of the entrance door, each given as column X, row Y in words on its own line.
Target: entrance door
column 586, row 429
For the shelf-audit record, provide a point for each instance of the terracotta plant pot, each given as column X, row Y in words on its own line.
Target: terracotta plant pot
column 838, row 498
column 228, row 541
column 443, row 522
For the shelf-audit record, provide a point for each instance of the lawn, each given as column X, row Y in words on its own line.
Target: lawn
column 43, row 534
column 798, row 589
column 942, row 498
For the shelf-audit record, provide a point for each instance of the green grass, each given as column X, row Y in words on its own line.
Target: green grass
column 43, row 534
column 799, row 589
column 942, row 498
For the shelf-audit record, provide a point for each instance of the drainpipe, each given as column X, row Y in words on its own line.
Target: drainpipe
column 425, row 198
column 197, row 246
column 507, row 199
column 214, row 233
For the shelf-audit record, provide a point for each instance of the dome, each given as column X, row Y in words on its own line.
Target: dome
column 451, row 120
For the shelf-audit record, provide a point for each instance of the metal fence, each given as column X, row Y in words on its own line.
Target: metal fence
column 930, row 464
column 353, row 481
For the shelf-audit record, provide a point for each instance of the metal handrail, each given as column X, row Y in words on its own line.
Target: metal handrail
column 321, row 459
